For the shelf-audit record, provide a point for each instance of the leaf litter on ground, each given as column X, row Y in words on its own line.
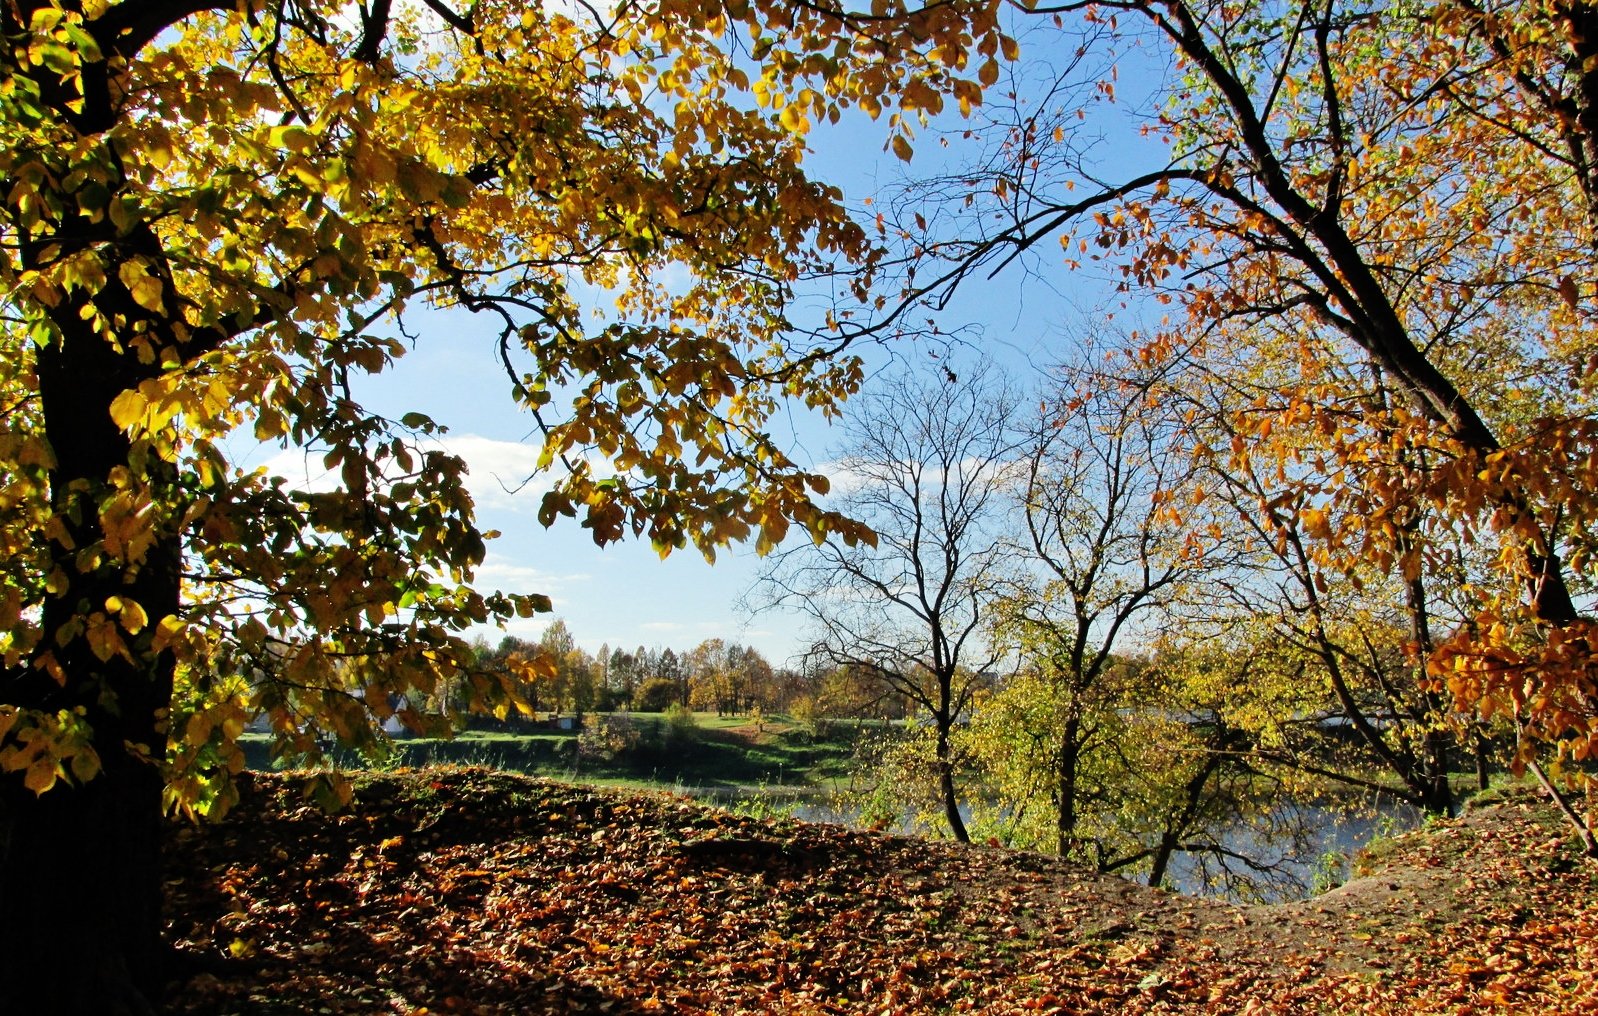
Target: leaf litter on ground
column 471, row 891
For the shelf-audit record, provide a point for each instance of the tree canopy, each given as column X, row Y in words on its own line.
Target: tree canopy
column 1370, row 225
column 217, row 215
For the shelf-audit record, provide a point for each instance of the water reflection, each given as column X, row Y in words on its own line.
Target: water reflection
column 1291, row 853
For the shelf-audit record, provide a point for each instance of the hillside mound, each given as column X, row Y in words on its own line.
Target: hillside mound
column 469, row 891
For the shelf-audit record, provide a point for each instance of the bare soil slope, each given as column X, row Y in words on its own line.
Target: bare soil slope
column 465, row 891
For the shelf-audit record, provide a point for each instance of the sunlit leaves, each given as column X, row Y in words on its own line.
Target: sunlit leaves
column 46, row 748
column 221, row 220
column 1381, row 231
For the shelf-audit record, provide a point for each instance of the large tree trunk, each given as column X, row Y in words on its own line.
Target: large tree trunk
column 80, row 889
column 80, row 874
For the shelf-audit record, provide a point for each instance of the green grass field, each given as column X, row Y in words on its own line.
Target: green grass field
column 714, row 754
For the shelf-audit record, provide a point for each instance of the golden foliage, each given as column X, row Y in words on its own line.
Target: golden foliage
column 211, row 221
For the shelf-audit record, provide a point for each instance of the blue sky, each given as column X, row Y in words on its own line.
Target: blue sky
column 625, row 595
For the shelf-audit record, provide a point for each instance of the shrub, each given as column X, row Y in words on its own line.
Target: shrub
column 655, row 695
column 681, row 726
column 611, row 736
column 807, row 717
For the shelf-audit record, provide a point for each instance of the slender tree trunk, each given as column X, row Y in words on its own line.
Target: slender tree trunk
column 1065, row 821
column 1217, row 744
column 1162, row 858
column 1437, row 795
column 1438, row 798
column 951, row 799
column 1584, row 831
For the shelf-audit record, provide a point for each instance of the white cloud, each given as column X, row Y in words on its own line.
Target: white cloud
column 664, row 627
column 303, row 469
column 849, row 476
column 843, row 478
column 528, row 629
column 499, row 572
column 500, row 474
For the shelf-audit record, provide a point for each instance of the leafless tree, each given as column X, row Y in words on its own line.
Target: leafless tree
column 926, row 462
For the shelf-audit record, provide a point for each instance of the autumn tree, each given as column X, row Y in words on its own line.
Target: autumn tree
column 1094, row 749
column 655, row 694
column 727, row 677
column 927, row 458
column 1100, row 559
column 601, row 672
column 1160, row 778
column 1353, row 636
column 214, row 211
column 670, row 667
column 568, row 682
column 706, row 671
column 621, row 676
column 754, row 680
column 516, row 664
column 845, row 691
column 1405, row 188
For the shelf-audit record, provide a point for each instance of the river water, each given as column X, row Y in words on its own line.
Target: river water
column 1317, row 855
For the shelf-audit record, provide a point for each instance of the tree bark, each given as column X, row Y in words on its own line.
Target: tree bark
column 80, row 888
column 1220, row 742
column 80, row 865
column 1315, row 235
column 951, row 799
column 1065, row 816
column 1436, row 793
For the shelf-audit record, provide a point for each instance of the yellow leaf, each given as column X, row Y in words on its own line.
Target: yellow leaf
column 794, row 119
column 41, row 775
column 133, row 617
column 167, row 632
column 85, row 765
column 127, row 408
column 145, row 289
column 147, row 293
column 902, row 148
column 104, row 641
column 198, row 729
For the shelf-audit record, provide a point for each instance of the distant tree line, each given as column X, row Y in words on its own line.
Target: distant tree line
column 556, row 676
